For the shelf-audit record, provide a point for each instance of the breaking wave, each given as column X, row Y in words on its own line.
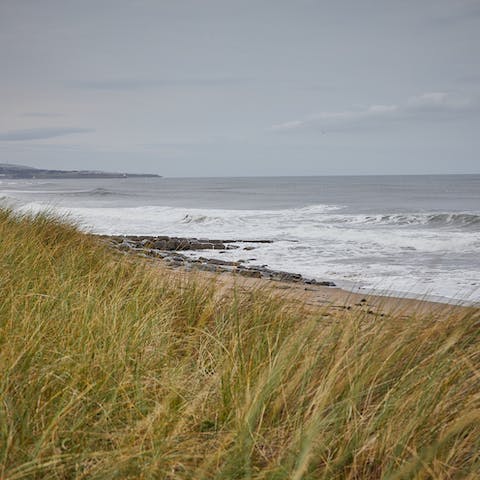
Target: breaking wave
column 322, row 215
column 96, row 192
column 460, row 220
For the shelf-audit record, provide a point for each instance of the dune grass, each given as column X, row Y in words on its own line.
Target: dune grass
column 112, row 368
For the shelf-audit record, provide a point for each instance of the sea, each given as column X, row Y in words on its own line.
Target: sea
column 406, row 236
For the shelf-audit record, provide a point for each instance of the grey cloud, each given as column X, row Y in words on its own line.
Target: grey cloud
column 132, row 84
column 457, row 12
column 473, row 79
column 203, row 81
column 43, row 114
column 428, row 106
column 440, row 102
column 40, row 133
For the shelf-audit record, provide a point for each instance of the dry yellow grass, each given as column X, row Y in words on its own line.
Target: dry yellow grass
column 112, row 370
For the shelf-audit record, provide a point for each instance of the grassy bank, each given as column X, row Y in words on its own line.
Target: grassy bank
column 111, row 368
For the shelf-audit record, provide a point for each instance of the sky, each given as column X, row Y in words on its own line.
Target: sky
column 241, row 88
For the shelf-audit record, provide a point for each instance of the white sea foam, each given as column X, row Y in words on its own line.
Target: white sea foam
column 370, row 252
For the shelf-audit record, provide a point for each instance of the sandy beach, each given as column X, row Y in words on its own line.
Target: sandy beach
column 325, row 300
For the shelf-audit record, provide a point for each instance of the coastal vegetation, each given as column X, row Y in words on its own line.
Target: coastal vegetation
column 8, row 170
column 115, row 367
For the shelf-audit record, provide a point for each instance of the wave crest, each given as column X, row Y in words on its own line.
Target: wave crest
column 96, row 192
column 462, row 220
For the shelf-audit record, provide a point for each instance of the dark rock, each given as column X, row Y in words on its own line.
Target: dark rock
column 215, row 241
column 124, row 247
column 250, row 273
column 160, row 244
column 167, row 248
column 171, row 245
column 209, row 268
column 253, row 241
column 215, row 261
column 286, row 276
column 184, row 244
column 326, row 283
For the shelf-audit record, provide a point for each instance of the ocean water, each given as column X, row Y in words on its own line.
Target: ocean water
column 415, row 236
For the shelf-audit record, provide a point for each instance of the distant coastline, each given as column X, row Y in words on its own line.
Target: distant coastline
column 21, row 171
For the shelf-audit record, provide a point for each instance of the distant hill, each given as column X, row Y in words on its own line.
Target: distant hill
column 8, row 170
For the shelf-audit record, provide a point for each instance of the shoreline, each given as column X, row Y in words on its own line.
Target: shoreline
column 328, row 300
column 310, row 292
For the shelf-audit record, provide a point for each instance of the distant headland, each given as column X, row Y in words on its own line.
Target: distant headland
column 8, row 170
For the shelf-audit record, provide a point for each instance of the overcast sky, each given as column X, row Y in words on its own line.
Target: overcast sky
column 246, row 87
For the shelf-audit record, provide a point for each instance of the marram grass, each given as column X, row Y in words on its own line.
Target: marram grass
column 113, row 368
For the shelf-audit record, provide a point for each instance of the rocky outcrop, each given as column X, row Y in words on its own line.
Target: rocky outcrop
column 176, row 243
column 169, row 248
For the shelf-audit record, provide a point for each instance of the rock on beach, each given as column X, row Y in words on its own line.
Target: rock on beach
column 169, row 248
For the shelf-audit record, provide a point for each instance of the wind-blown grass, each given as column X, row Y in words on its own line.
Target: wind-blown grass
column 113, row 368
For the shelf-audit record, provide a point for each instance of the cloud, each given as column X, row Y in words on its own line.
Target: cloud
column 133, row 84
column 457, row 12
column 40, row 133
column 440, row 102
column 427, row 106
column 470, row 78
column 42, row 114
column 338, row 120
